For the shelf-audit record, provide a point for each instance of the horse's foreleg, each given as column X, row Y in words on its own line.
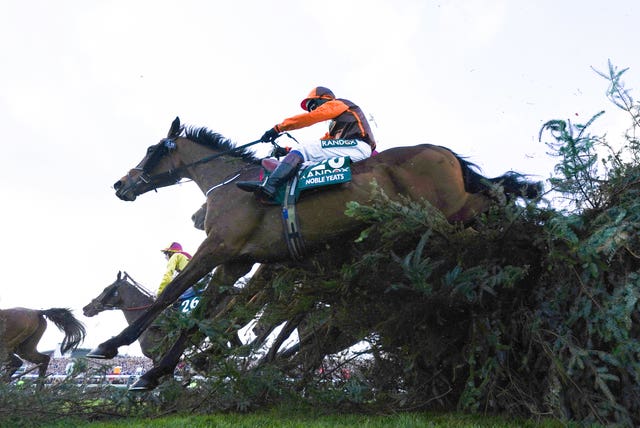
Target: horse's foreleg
column 214, row 303
column 166, row 365
column 44, row 365
column 286, row 331
column 201, row 264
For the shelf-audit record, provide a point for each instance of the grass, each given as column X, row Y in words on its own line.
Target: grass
column 283, row 418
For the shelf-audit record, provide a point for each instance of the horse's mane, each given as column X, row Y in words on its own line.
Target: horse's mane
column 139, row 286
column 215, row 141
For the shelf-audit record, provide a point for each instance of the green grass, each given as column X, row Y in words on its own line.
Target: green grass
column 293, row 419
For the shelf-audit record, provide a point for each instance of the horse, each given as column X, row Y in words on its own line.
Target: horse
column 241, row 231
column 315, row 341
column 21, row 329
column 130, row 297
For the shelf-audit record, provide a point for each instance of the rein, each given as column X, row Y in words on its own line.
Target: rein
column 136, row 285
column 169, row 175
column 172, row 172
column 136, row 308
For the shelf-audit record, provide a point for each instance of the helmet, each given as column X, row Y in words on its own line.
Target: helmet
column 318, row 93
column 173, row 248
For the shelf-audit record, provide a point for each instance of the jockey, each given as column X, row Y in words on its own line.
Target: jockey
column 177, row 259
column 349, row 135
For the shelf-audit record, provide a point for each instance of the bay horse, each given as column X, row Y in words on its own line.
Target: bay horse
column 21, row 329
column 241, row 231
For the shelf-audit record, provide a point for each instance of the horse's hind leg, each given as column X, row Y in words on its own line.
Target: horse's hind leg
column 42, row 360
column 12, row 364
column 475, row 204
column 27, row 350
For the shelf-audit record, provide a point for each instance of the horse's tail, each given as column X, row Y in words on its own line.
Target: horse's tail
column 73, row 329
column 513, row 183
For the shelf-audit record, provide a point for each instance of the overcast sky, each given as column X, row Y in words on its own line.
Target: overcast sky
column 87, row 86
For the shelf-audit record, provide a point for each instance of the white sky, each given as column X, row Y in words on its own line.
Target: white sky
column 87, row 86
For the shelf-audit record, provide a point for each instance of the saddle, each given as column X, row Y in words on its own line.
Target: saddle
column 310, row 176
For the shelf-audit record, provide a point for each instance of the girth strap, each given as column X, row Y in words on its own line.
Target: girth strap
column 292, row 234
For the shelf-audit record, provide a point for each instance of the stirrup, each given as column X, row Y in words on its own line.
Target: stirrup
column 249, row 186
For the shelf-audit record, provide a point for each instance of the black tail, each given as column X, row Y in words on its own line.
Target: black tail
column 73, row 329
column 513, row 183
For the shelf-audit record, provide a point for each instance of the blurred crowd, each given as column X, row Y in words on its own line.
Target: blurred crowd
column 120, row 365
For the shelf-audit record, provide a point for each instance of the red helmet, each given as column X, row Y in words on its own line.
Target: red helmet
column 318, row 93
column 173, row 248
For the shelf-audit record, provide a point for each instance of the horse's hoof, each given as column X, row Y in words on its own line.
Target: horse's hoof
column 142, row 385
column 102, row 353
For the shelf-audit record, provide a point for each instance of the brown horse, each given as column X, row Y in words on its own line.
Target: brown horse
column 132, row 298
column 241, row 231
column 129, row 296
column 21, row 329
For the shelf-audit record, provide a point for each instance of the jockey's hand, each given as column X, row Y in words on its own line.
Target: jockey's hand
column 270, row 135
column 280, row 151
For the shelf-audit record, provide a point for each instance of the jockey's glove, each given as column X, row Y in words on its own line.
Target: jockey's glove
column 280, row 151
column 270, row 135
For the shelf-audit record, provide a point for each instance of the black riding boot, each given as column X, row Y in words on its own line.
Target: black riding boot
column 279, row 176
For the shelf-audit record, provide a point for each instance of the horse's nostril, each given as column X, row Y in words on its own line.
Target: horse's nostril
column 117, row 184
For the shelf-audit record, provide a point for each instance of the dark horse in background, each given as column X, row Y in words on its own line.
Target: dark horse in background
column 21, row 329
column 130, row 297
column 241, row 231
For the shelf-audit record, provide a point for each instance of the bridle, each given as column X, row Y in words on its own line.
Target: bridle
column 167, row 145
column 100, row 306
column 155, row 153
column 172, row 175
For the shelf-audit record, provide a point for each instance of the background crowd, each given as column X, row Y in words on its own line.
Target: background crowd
column 120, row 365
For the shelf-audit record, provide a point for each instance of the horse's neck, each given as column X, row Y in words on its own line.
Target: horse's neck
column 135, row 301
column 217, row 172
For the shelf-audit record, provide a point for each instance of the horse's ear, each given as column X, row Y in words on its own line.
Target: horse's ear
column 175, row 128
column 119, row 275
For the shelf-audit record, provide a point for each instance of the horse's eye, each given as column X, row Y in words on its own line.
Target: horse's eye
column 151, row 149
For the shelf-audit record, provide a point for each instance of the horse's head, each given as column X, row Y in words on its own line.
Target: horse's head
column 155, row 170
column 125, row 294
column 179, row 155
column 110, row 298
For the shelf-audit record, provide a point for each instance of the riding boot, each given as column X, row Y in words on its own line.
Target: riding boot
column 279, row 176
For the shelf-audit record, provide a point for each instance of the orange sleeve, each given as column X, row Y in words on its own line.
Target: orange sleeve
column 326, row 111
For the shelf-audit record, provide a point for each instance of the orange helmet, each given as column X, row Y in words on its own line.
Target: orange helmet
column 318, row 93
